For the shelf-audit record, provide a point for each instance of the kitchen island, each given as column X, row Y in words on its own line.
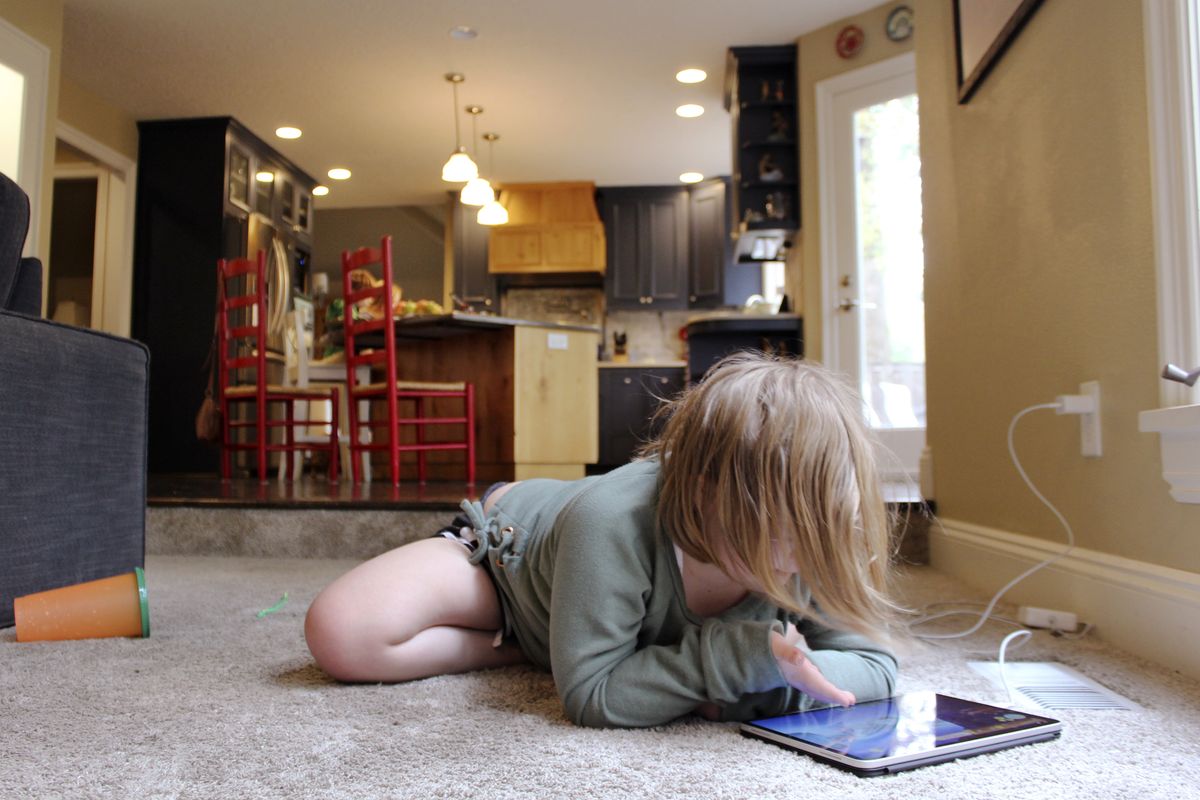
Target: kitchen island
column 536, row 389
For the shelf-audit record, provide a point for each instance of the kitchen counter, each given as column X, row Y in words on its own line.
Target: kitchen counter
column 642, row 364
column 536, row 391
column 457, row 323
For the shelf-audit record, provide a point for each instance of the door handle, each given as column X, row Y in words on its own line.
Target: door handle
column 847, row 305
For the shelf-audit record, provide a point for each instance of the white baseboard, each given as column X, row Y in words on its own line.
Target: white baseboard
column 1142, row 608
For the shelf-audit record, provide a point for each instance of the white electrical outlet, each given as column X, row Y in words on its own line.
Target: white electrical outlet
column 1034, row 617
column 1089, row 424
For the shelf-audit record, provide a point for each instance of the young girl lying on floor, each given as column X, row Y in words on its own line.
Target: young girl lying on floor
column 738, row 570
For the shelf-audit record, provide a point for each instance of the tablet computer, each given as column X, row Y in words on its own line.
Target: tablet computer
column 902, row 732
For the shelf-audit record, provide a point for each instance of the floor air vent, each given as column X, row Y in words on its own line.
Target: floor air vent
column 1053, row 687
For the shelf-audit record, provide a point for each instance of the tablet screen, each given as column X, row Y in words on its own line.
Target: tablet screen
column 911, row 723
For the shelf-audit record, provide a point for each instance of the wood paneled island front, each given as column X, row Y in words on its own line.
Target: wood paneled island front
column 536, row 392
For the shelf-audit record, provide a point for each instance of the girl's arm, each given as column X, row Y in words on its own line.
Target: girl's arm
column 850, row 662
column 604, row 573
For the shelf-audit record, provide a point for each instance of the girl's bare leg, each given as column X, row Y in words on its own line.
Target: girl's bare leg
column 416, row 611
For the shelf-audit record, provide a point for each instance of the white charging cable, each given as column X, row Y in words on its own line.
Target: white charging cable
column 1064, row 406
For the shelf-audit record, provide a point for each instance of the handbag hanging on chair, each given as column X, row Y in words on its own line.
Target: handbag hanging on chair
column 208, row 417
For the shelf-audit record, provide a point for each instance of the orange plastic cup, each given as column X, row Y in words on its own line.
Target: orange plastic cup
column 116, row 606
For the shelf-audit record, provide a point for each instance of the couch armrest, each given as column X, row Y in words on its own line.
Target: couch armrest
column 27, row 293
column 73, row 410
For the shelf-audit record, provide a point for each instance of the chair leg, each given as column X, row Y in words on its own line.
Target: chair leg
column 419, row 413
column 261, row 439
column 289, row 440
column 334, row 439
column 352, row 437
column 394, row 435
column 226, row 440
column 470, row 403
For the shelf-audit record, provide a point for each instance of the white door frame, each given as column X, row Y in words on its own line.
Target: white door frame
column 838, row 198
column 31, row 58
column 112, row 283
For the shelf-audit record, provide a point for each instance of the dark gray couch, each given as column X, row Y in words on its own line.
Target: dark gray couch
column 73, row 406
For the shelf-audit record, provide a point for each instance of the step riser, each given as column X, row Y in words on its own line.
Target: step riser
column 345, row 533
column 285, row 533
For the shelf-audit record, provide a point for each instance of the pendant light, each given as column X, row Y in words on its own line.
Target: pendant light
column 493, row 213
column 459, row 168
column 477, row 192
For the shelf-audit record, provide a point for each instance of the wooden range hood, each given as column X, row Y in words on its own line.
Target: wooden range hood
column 552, row 228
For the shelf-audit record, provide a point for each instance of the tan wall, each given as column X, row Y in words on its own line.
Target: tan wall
column 818, row 61
column 1040, row 274
column 100, row 120
column 42, row 20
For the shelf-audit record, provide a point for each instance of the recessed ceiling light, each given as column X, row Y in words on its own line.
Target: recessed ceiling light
column 264, row 176
column 339, row 173
column 689, row 110
column 690, row 75
column 320, row 190
column 691, row 177
column 287, row 132
column 464, row 33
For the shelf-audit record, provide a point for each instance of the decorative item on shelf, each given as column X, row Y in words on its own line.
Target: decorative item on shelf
column 752, row 216
column 776, row 205
column 899, row 25
column 780, row 96
column 850, row 41
column 765, row 93
column 780, row 129
column 492, row 213
column 477, row 192
column 769, row 170
column 459, row 168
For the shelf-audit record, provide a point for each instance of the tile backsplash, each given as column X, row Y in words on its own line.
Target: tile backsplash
column 650, row 335
column 575, row 306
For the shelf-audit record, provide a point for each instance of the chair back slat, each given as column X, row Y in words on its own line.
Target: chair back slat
column 242, row 319
column 374, row 260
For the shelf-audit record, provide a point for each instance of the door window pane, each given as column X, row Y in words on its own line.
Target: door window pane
column 891, row 262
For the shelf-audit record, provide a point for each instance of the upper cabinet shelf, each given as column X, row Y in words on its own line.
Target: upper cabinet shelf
column 760, row 94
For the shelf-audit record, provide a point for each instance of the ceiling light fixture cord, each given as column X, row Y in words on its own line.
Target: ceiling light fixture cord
column 454, row 81
column 474, row 111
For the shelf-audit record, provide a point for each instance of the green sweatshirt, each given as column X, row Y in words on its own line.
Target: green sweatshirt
column 591, row 590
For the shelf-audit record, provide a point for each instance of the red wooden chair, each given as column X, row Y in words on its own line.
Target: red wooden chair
column 242, row 348
column 391, row 389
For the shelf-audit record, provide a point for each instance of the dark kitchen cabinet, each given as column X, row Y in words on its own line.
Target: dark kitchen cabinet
column 629, row 396
column 709, row 245
column 646, row 229
column 760, row 94
column 646, row 268
column 203, row 194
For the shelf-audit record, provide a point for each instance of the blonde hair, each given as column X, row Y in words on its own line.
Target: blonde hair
column 770, row 449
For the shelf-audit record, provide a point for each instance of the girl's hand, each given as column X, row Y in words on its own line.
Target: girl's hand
column 801, row 672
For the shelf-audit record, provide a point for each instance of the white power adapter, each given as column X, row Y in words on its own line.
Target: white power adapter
column 1034, row 617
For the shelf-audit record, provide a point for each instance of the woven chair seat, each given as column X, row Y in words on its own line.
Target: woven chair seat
column 413, row 386
column 290, row 391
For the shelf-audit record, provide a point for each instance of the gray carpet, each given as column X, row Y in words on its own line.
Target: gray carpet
column 220, row 703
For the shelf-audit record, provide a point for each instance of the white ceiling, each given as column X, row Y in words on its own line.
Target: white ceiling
column 576, row 90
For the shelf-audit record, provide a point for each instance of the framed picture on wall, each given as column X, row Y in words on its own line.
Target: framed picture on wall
column 983, row 30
